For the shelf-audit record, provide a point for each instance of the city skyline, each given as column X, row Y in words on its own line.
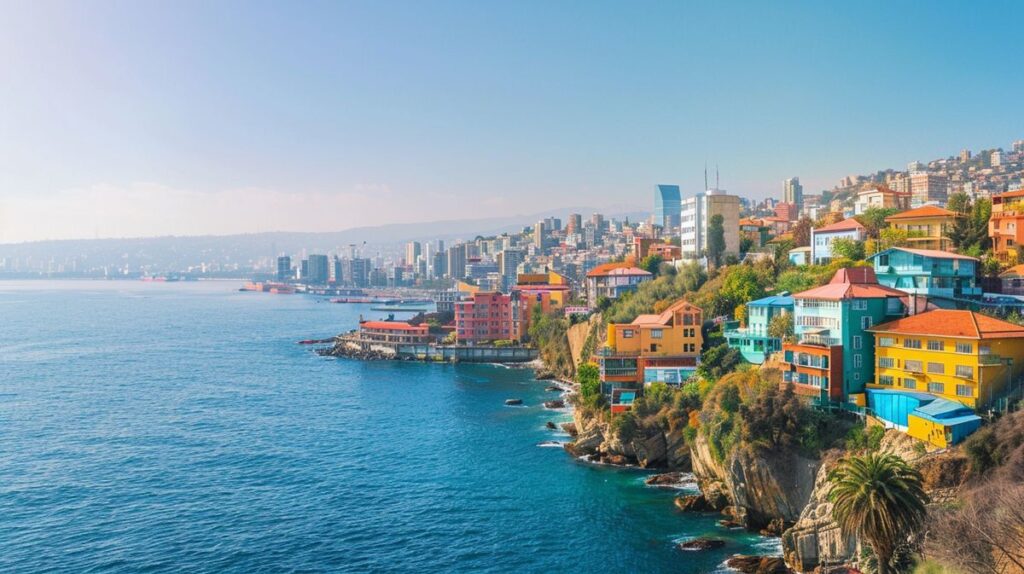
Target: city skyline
column 270, row 120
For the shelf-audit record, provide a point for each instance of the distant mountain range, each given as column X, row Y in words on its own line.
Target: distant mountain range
column 174, row 253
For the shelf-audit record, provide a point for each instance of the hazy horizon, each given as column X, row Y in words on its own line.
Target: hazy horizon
column 187, row 118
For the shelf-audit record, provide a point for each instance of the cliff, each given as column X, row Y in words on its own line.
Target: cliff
column 765, row 489
column 652, row 447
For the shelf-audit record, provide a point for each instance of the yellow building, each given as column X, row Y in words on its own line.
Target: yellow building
column 927, row 227
column 960, row 356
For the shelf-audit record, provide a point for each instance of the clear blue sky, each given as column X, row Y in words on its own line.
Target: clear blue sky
column 127, row 118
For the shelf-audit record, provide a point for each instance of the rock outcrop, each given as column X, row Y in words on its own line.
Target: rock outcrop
column 761, row 486
column 653, row 447
column 816, row 540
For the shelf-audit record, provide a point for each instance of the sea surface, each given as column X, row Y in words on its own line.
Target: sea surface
column 178, row 427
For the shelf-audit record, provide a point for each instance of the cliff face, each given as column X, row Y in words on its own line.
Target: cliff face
column 762, row 487
column 652, row 448
column 816, row 540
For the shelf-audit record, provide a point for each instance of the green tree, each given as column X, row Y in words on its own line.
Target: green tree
column 741, row 285
column 781, row 327
column 716, row 239
column 873, row 219
column 959, row 202
column 880, row 499
column 588, row 377
column 802, row 232
column 740, row 314
column 651, row 264
column 848, row 248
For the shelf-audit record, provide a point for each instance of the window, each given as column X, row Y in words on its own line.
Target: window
column 656, row 333
column 937, row 368
column 856, row 361
column 965, row 348
column 964, row 391
column 885, row 380
column 909, row 383
column 912, row 343
column 936, row 346
column 965, row 371
column 886, row 341
column 860, row 305
column 627, row 333
column 857, row 341
column 886, row 362
column 937, row 388
column 913, row 366
column 865, row 322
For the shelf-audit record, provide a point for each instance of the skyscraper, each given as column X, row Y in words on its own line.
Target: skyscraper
column 575, row 224
column 412, row 252
column 316, row 270
column 696, row 216
column 457, row 261
column 793, row 192
column 284, row 268
column 538, row 234
column 667, row 206
column 508, row 263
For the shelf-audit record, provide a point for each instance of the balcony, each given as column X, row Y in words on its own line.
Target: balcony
column 820, row 341
column 610, row 352
column 990, row 360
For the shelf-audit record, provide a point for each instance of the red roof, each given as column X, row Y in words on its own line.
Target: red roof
column 616, row 269
column 923, row 211
column 844, row 225
column 950, row 323
column 852, row 283
column 1015, row 193
column 391, row 326
column 664, row 317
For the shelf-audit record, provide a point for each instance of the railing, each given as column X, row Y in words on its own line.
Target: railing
column 990, row 359
column 609, row 352
column 820, row 340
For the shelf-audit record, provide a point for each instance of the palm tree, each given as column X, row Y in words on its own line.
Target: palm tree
column 879, row 499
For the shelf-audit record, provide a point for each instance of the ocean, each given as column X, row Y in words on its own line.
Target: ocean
column 178, row 427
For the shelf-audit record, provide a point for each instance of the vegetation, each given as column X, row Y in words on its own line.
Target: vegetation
column 781, row 327
column 716, row 239
column 802, row 232
column 880, row 499
column 969, row 234
column 864, row 439
column 848, row 248
column 873, row 219
column 588, row 377
column 548, row 333
column 651, row 264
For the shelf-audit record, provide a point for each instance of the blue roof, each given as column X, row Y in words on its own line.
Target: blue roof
column 935, row 409
column 940, row 408
column 773, row 300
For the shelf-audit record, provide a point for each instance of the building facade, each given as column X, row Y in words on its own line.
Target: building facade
column 486, row 316
column 927, row 227
column 753, row 341
column 935, row 274
column 695, row 218
column 821, row 239
column 613, row 279
column 1006, row 225
column 667, row 206
column 793, row 192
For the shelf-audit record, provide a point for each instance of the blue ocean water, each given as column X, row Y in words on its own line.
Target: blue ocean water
column 177, row 427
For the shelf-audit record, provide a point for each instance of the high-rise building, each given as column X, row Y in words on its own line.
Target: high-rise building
column 996, row 158
column 667, row 206
column 598, row 221
column 965, row 155
column 316, row 270
column 926, row 188
column 697, row 212
column 284, row 268
column 552, row 224
column 538, row 234
column 457, row 261
column 1018, row 146
column 508, row 266
column 793, row 192
column 412, row 252
column 915, row 167
column 575, row 224
column 440, row 265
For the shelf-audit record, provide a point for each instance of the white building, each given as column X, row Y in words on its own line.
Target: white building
column 697, row 212
column 821, row 239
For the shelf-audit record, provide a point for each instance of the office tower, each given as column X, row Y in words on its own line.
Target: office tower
column 598, row 222
column 508, row 266
column 412, row 252
column 538, row 235
column 793, row 192
column 575, row 223
column 552, row 224
column 697, row 212
column 457, row 261
column 284, row 268
column 667, row 206
column 316, row 271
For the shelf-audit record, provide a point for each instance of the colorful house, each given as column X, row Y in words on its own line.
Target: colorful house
column 923, row 416
column 753, row 341
column 394, row 332
column 936, row 274
column 487, row 316
column 652, row 348
column 822, row 238
column 927, row 226
column 756, row 230
column 834, row 356
column 1006, row 225
column 613, row 279
column 800, row 256
column 960, row 356
column 1012, row 280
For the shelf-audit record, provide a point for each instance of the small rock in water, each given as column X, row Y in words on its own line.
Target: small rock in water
column 664, row 479
column 702, row 544
column 511, row 402
column 758, row 564
column 551, row 425
column 555, row 404
column 693, row 503
column 553, row 389
column 729, row 523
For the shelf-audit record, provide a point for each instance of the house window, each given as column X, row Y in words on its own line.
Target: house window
column 912, row 343
column 886, row 362
column 885, row 380
column 883, row 260
column 865, row 322
column 965, row 348
column 937, row 388
column 937, row 368
column 856, row 361
column 627, row 333
column 936, row 346
column 909, row 383
column 886, row 341
column 914, row 366
column 860, row 305
column 656, row 333
column 857, row 341
column 965, row 371
column 964, row 391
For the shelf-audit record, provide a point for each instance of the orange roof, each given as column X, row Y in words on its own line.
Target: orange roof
column 661, row 318
column 923, row 211
column 392, row 326
column 1015, row 193
column 950, row 323
column 852, row 283
column 615, row 269
column 749, row 221
column 844, row 225
column 1015, row 271
column 883, row 189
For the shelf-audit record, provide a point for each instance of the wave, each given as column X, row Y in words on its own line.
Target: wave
column 551, row 444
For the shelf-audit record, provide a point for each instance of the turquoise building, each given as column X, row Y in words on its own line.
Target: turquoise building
column 753, row 341
column 935, row 274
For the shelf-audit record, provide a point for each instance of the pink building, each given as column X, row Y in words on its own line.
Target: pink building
column 488, row 316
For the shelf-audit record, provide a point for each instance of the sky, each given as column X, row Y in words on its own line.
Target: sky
column 137, row 118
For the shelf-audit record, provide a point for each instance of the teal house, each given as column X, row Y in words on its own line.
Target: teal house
column 753, row 341
column 939, row 275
